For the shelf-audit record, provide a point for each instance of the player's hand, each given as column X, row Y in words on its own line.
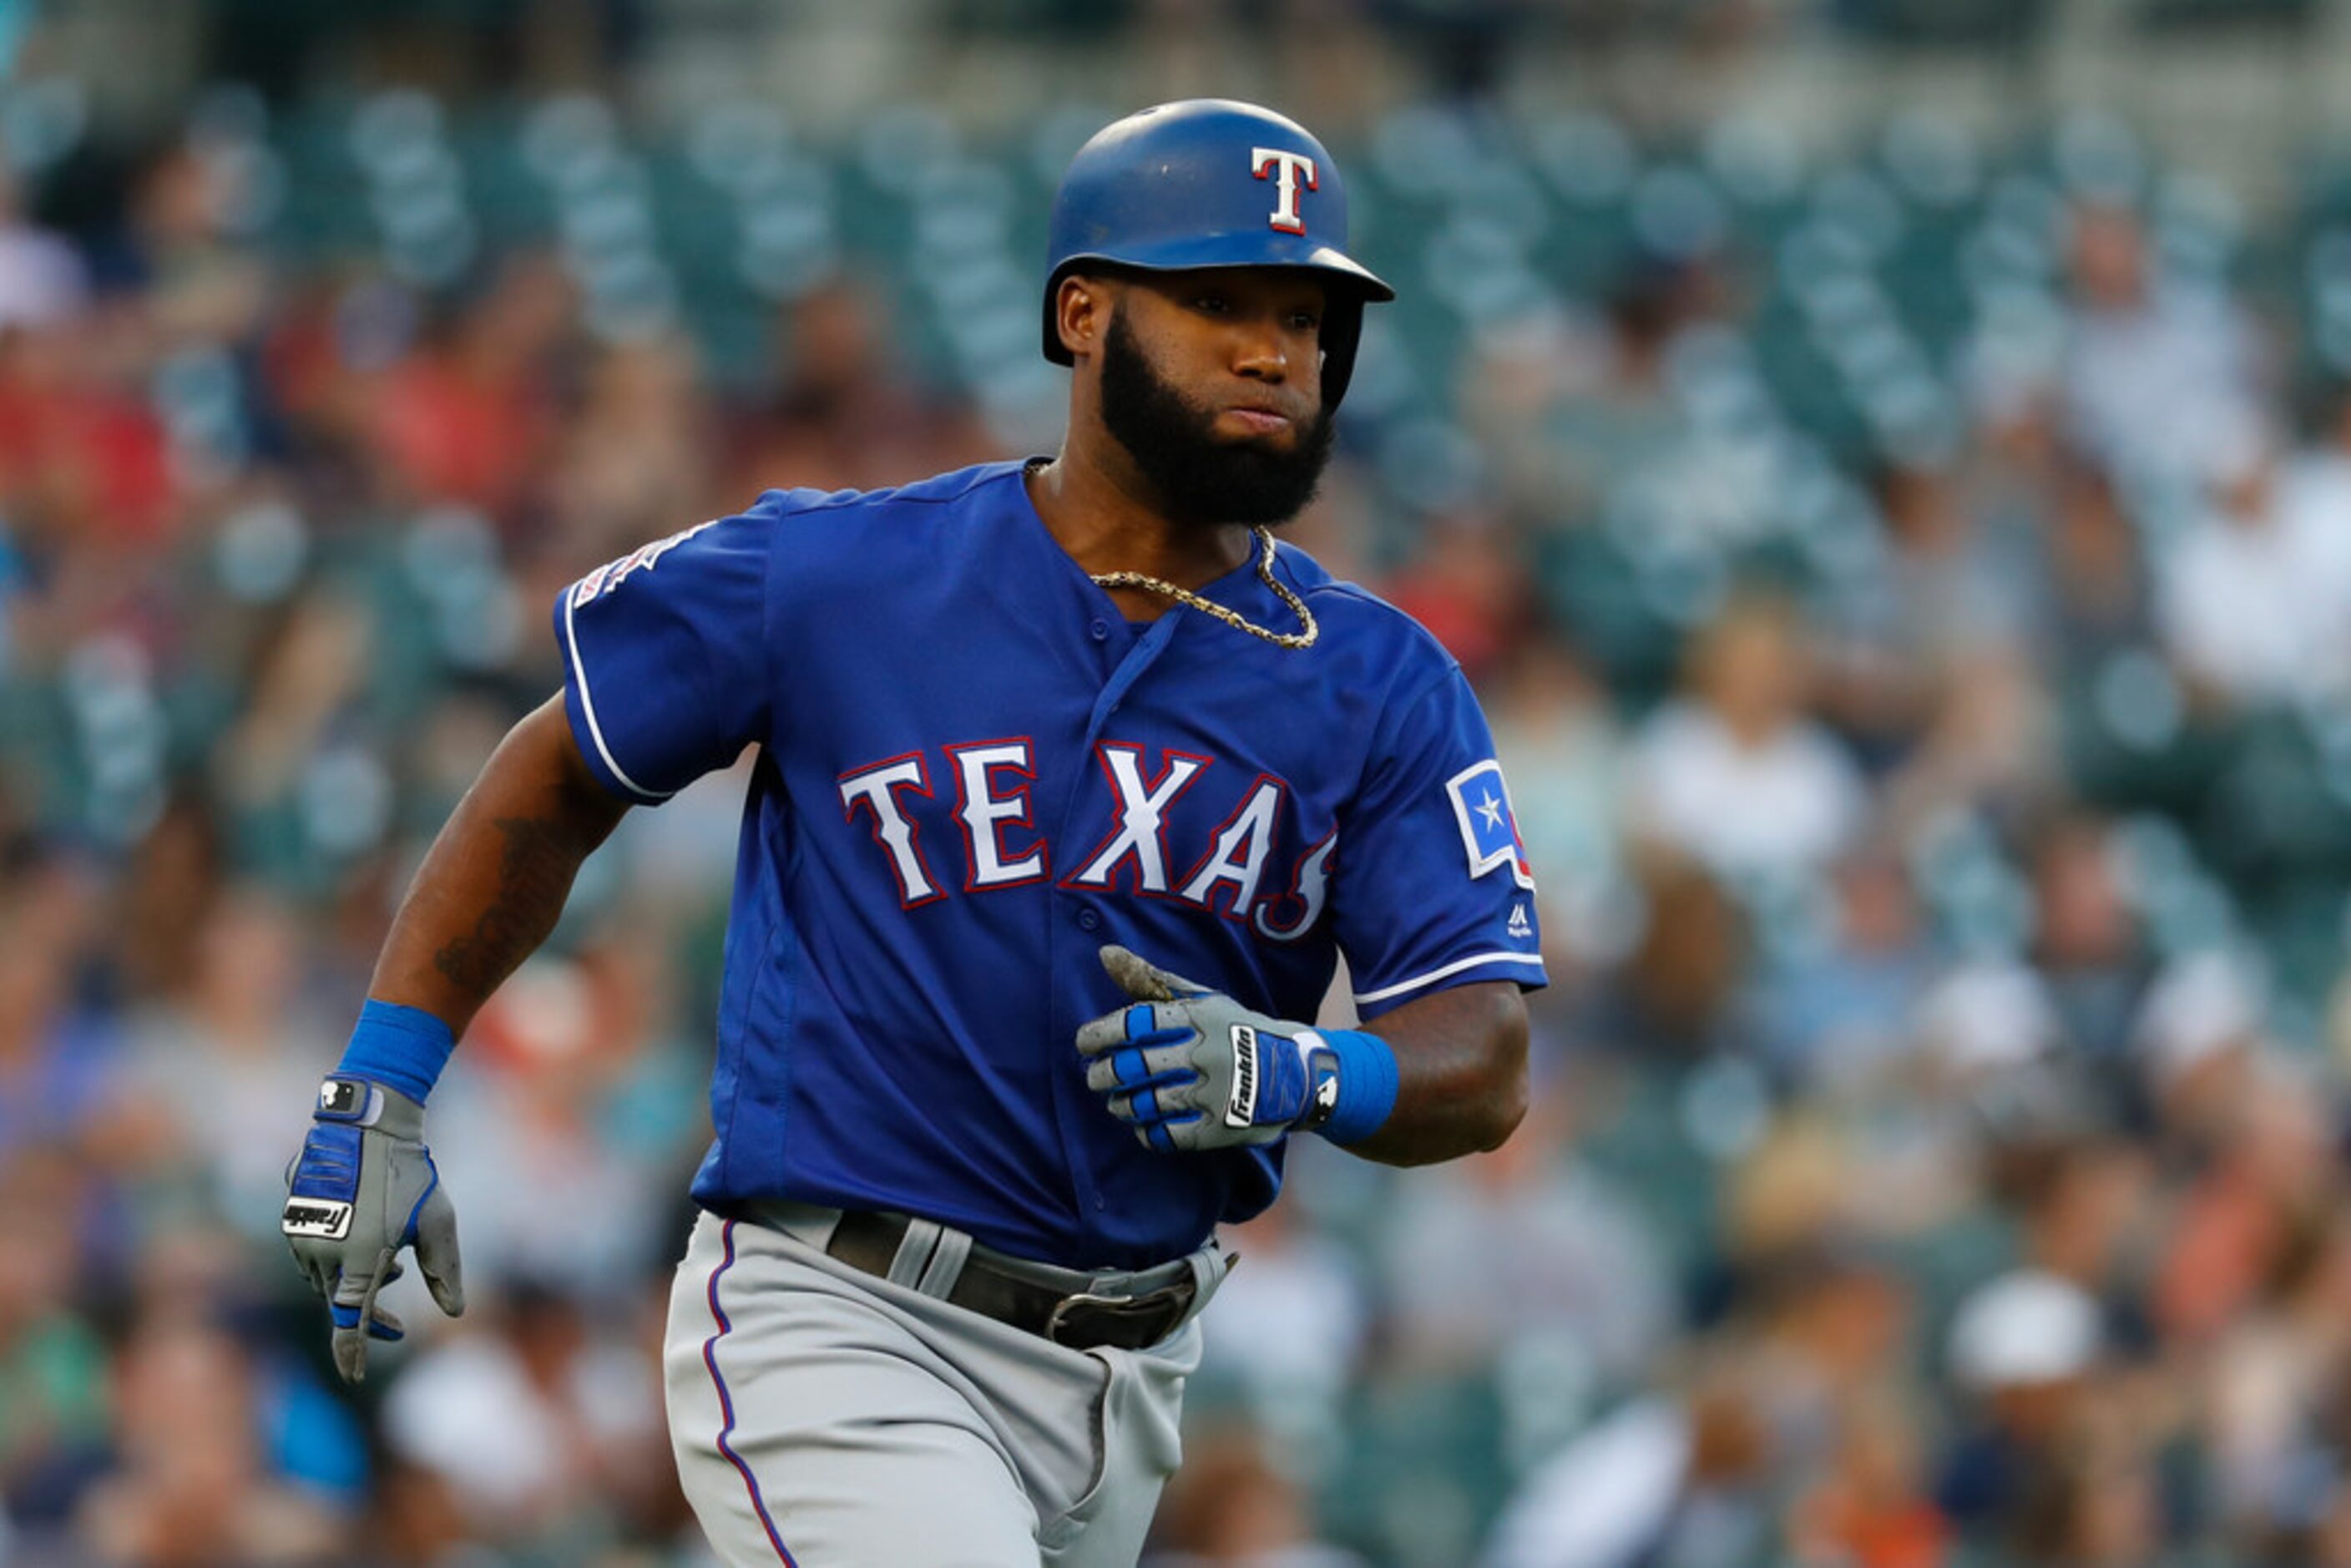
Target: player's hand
column 363, row 1188
column 1189, row 1069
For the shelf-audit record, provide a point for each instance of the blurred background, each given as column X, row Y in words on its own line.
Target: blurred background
column 1886, row 462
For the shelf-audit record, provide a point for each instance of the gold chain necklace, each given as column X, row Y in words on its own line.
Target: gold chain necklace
column 1233, row 617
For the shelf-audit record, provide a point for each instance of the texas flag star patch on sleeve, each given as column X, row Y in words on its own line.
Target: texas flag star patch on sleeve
column 1481, row 804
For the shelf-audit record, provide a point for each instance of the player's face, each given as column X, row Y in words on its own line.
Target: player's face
column 1213, row 383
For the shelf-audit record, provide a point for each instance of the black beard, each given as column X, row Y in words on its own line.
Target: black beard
column 1203, row 480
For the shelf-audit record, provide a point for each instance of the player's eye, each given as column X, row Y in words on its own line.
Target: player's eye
column 1211, row 304
column 1304, row 321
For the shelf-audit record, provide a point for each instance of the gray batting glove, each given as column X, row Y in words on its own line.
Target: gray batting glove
column 363, row 1188
column 1191, row 1069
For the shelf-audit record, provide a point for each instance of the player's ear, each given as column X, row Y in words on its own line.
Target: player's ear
column 1082, row 312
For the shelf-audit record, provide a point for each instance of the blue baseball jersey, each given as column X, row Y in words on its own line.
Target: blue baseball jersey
column 973, row 773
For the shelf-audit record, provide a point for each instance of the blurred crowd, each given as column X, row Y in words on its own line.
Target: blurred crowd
column 1938, row 1150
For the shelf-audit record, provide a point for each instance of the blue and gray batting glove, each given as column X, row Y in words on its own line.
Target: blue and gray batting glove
column 362, row 1189
column 1190, row 1069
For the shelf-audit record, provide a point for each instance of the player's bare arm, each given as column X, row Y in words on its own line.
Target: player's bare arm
column 495, row 880
column 364, row 1185
column 1461, row 1071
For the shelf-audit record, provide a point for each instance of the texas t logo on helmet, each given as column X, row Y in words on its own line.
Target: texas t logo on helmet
column 1264, row 161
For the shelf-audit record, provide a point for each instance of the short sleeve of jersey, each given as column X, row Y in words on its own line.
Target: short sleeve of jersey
column 664, row 657
column 1432, row 888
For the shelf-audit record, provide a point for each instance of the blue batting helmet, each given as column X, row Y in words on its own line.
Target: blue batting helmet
column 1210, row 182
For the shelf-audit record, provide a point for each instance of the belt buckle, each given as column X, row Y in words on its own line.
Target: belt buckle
column 1170, row 1300
column 1080, row 1300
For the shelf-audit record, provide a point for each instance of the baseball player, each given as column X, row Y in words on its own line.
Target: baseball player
column 1073, row 786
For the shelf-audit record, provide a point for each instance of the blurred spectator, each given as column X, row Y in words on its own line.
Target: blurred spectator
column 1835, row 1015
column 2314, row 501
column 1986, row 1020
column 2086, row 941
column 1955, row 588
column 2163, row 375
column 2275, row 1374
column 635, row 460
column 198, row 284
column 1525, row 1243
column 1827, row 1325
column 1468, row 588
column 1293, row 1331
column 2203, row 1050
column 60, row 1062
column 843, row 414
column 577, row 1124
column 1562, row 750
column 53, row 1410
column 1231, row 1506
column 85, row 466
column 2092, row 1503
column 1574, row 410
column 2083, row 1206
column 2021, row 1349
column 534, row 1419
column 301, row 680
column 1667, row 1479
column 2273, row 1175
column 2100, row 590
column 43, row 282
column 1734, row 773
column 2253, row 605
column 189, row 1485
column 1680, row 984
column 1870, row 1508
column 469, row 417
column 230, row 1062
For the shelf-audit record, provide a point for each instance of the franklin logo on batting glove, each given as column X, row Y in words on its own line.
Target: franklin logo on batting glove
column 1184, row 1051
column 1241, row 1110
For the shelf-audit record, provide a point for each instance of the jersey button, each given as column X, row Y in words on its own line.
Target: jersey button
column 1088, row 920
column 1101, row 630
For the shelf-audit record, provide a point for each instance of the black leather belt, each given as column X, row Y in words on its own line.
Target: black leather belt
column 1081, row 1321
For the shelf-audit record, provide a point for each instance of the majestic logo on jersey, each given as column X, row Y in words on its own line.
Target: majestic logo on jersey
column 611, row 575
column 1288, row 170
column 1002, row 846
column 1481, row 805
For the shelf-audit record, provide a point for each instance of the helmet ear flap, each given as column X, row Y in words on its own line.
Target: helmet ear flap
column 1343, row 334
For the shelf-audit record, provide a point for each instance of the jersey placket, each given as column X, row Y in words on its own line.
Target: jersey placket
column 1075, row 920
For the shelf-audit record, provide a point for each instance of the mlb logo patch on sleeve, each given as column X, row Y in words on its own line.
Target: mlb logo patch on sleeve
column 1481, row 805
column 611, row 574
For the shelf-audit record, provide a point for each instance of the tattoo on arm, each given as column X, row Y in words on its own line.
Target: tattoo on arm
column 534, row 878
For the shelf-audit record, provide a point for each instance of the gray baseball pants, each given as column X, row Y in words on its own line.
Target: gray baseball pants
column 823, row 1418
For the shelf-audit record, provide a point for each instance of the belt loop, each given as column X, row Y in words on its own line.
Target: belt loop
column 946, row 1263
column 810, row 1224
column 1210, row 1264
column 914, row 1253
